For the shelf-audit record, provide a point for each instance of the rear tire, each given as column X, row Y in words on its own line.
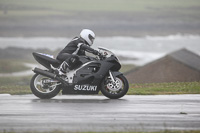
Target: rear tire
column 115, row 90
column 39, row 90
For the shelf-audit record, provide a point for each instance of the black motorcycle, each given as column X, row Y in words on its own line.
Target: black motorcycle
column 94, row 74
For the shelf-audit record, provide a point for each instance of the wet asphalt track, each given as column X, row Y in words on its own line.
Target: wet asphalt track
column 97, row 113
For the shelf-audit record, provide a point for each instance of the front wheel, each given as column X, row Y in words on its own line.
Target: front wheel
column 44, row 87
column 115, row 90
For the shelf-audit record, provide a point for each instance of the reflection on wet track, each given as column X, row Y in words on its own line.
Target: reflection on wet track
column 97, row 113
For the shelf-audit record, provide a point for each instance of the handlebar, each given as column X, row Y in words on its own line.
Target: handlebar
column 101, row 57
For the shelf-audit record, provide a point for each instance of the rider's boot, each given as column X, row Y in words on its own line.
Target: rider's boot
column 62, row 69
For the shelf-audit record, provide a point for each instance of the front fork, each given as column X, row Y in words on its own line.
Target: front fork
column 113, row 75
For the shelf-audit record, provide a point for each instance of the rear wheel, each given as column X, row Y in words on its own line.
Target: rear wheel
column 115, row 90
column 44, row 87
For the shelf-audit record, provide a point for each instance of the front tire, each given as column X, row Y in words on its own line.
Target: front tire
column 115, row 90
column 43, row 90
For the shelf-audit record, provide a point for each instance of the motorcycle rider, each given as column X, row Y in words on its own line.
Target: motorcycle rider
column 77, row 47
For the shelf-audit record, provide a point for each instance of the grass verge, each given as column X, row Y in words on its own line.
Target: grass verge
column 165, row 88
column 15, row 85
column 9, row 66
column 20, row 85
column 91, row 5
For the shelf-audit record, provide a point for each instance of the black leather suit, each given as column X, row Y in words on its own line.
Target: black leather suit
column 75, row 48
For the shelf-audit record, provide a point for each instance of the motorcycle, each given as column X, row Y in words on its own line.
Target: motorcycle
column 95, row 74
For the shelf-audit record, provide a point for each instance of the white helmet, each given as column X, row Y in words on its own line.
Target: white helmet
column 88, row 36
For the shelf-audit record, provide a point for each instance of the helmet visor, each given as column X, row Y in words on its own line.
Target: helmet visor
column 91, row 38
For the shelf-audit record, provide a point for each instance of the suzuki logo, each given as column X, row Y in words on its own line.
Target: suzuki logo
column 85, row 87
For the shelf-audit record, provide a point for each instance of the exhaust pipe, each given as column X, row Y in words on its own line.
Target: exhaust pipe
column 44, row 73
column 50, row 75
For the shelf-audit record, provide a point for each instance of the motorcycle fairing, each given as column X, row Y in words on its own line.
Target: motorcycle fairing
column 91, row 76
column 85, row 88
column 81, row 89
column 93, row 72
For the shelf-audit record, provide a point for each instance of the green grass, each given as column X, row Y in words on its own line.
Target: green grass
column 165, row 88
column 20, row 85
column 15, row 85
column 126, row 68
column 9, row 66
column 63, row 6
column 15, row 90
